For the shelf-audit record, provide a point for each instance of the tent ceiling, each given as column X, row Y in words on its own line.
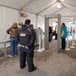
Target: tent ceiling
column 51, row 10
column 70, row 4
column 39, row 6
column 17, row 4
column 67, row 12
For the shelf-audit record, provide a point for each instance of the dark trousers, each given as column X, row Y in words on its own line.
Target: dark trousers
column 50, row 37
column 56, row 36
column 63, row 43
column 26, row 55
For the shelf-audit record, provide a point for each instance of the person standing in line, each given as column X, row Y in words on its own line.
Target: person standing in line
column 12, row 31
column 63, row 36
column 33, row 32
column 26, row 40
column 50, row 33
column 20, row 24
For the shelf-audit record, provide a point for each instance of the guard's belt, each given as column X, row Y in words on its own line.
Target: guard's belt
column 21, row 45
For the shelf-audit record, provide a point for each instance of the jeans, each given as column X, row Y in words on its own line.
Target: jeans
column 13, row 46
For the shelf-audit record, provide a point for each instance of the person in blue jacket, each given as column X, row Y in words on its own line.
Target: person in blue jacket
column 63, row 36
column 26, row 40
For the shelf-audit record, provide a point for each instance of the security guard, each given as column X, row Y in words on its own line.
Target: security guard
column 26, row 39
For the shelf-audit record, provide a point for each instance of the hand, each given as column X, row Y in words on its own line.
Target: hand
column 26, row 47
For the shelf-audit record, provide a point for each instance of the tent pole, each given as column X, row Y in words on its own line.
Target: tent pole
column 59, row 30
column 47, row 7
column 9, row 7
column 26, row 4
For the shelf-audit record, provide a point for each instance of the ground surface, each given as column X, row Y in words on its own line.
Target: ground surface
column 49, row 63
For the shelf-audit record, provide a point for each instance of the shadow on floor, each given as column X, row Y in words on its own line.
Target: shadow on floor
column 24, row 72
column 71, row 53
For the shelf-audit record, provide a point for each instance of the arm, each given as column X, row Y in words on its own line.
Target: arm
column 32, row 38
column 62, row 33
column 8, row 31
column 17, row 37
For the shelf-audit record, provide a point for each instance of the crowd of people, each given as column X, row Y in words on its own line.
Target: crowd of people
column 25, row 37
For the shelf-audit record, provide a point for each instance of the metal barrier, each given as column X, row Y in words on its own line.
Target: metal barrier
column 4, row 46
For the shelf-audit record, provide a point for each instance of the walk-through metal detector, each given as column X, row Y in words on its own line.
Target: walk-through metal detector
column 46, row 43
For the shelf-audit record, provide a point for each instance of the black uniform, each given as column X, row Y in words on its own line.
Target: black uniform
column 26, row 38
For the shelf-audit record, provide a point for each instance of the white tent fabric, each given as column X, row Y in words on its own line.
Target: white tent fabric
column 7, row 18
column 9, row 12
column 36, row 6
column 17, row 4
column 67, row 12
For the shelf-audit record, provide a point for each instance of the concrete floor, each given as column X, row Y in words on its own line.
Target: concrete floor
column 49, row 63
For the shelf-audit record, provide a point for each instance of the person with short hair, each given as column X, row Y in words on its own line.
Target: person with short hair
column 26, row 39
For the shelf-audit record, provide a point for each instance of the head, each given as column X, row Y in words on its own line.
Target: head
column 63, row 24
column 27, row 21
column 15, row 25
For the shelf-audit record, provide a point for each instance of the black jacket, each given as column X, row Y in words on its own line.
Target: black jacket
column 26, row 36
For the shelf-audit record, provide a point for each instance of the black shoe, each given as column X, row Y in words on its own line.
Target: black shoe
column 22, row 67
column 34, row 69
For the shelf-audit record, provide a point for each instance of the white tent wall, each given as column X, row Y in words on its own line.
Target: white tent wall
column 7, row 17
column 30, row 16
column 37, row 21
column 52, row 21
column 41, row 23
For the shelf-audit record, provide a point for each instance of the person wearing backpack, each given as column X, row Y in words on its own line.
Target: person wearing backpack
column 26, row 39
